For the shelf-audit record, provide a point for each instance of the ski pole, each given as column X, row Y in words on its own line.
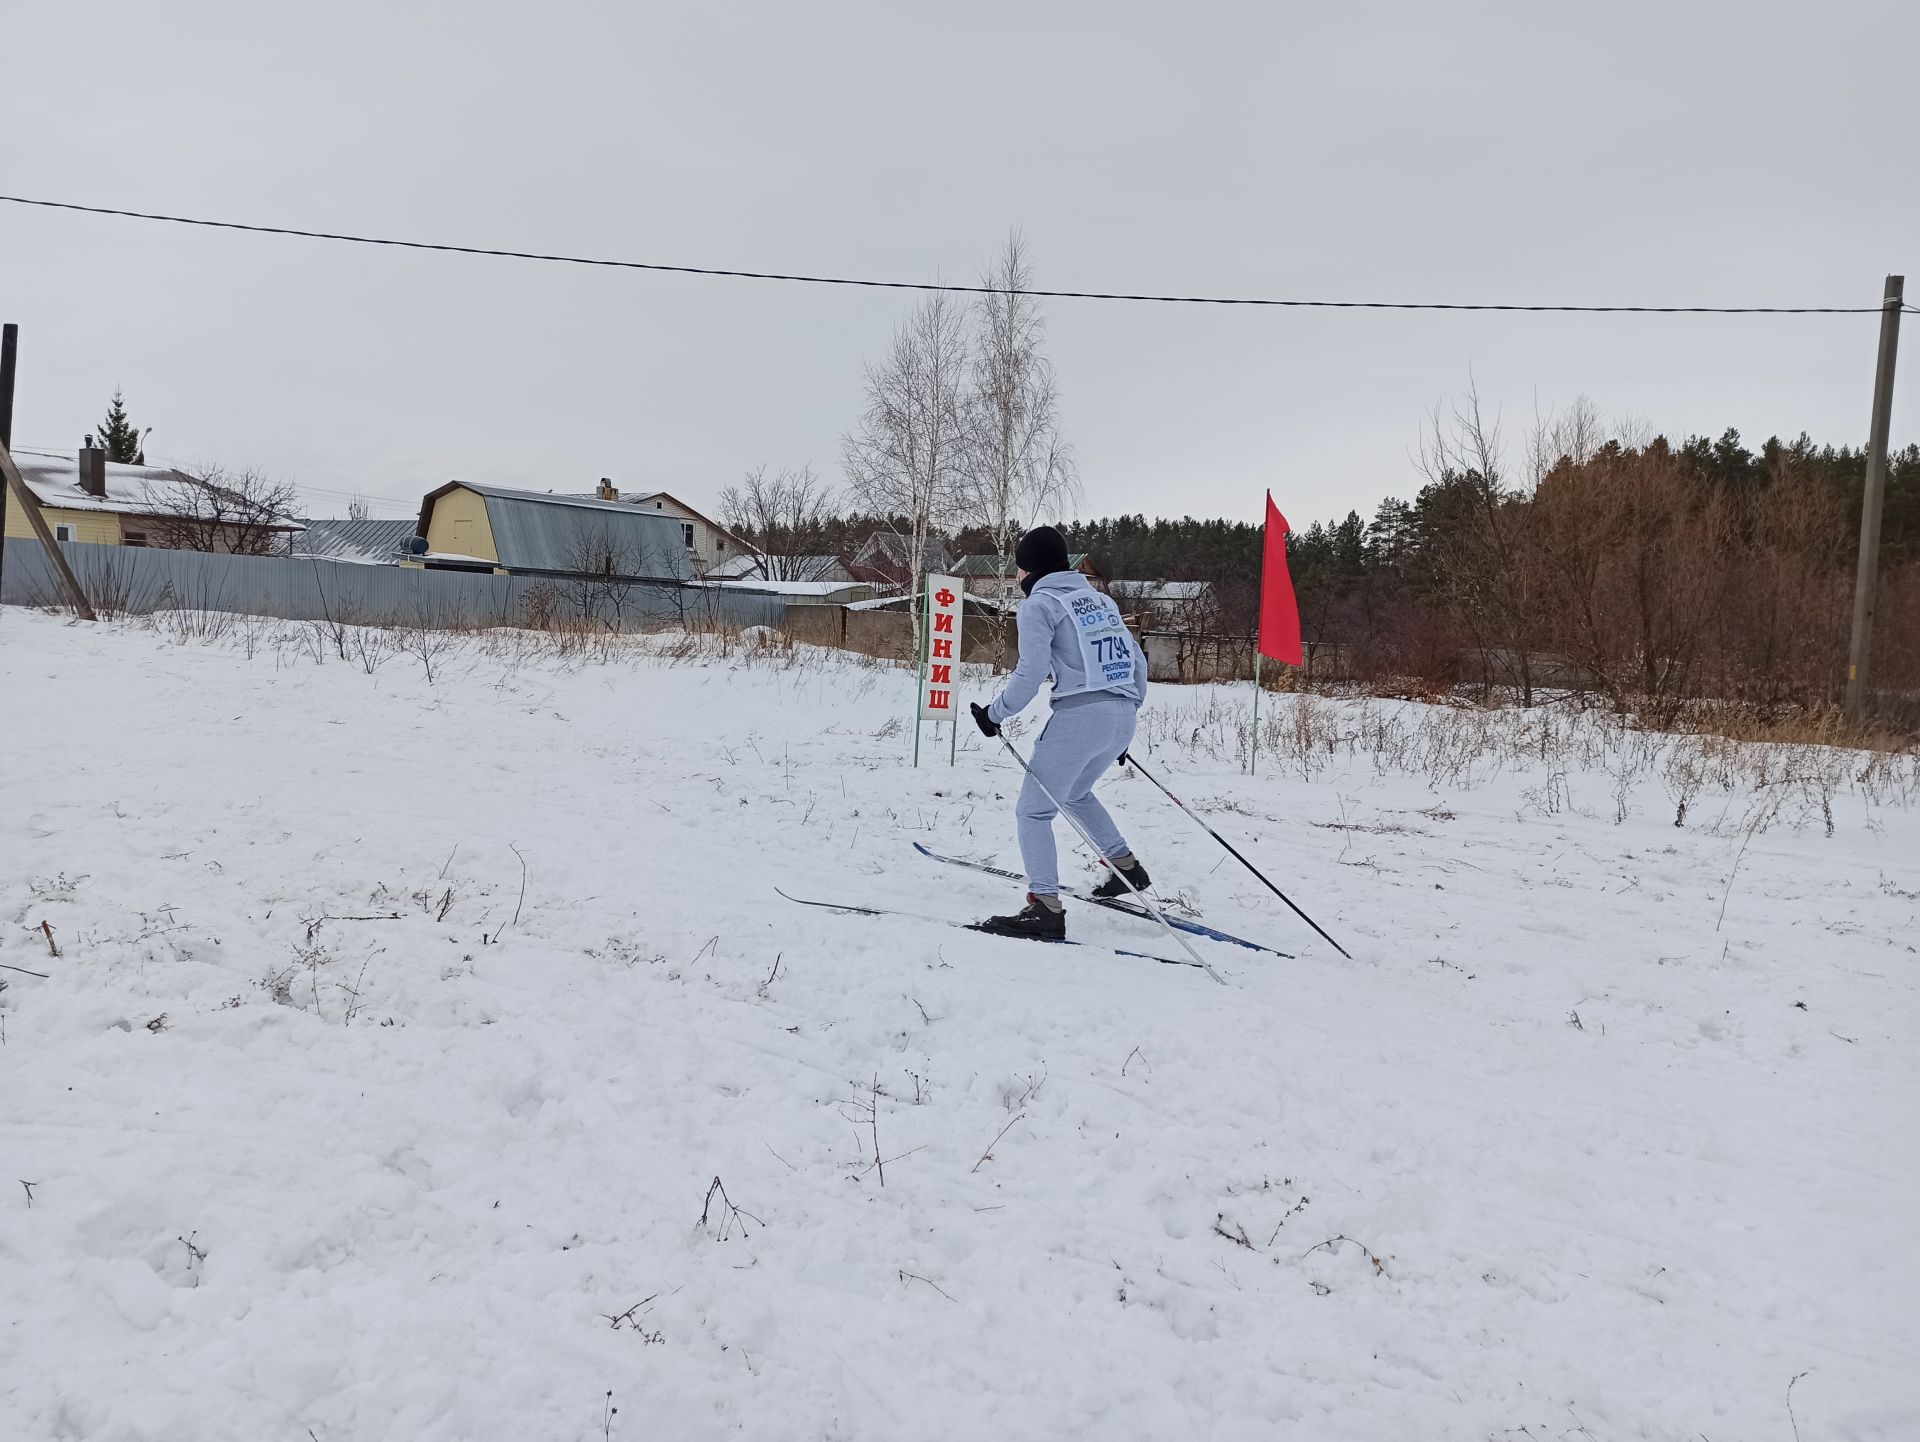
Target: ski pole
column 1139, row 895
column 1127, row 759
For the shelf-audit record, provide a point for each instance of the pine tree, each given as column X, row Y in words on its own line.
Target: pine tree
column 117, row 437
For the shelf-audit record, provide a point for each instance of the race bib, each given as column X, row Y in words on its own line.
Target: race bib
column 1106, row 651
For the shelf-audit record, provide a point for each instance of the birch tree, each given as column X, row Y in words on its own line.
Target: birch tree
column 1018, row 469
column 906, row 456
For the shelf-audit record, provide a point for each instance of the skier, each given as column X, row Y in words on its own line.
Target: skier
column 1099, row 682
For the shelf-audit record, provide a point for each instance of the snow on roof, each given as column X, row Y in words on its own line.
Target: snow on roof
column 735, row 568
column 368, row 540
column 899, row 603
column 790, row 588
column 54, row 479
column 456, row 557
column 1159, row 590
column 748, row 565
column 998, row 566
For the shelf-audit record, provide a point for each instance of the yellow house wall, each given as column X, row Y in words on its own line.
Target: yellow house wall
column 458, row 526
column 101, row 528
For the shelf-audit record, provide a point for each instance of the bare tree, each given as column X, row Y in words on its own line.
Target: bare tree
column 1638, row 559
column 243, row 512
column 603, row 568
column 906, row 457
column 1573, row 436
column 1017, row 467
column 1192, row 623
column 789, row 520
column 423, row 635
column 1488, row 579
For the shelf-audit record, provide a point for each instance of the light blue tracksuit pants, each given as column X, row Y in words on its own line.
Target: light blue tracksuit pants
column 1084, row 736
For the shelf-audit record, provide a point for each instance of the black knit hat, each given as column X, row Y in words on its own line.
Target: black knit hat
column 1041, row 552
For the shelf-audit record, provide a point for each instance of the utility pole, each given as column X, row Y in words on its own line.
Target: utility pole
column 10, row 480
column 9, row 358
column 1872, row 499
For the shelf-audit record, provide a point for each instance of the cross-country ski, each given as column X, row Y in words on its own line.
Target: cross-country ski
column 856, row 909
column 1186, row 924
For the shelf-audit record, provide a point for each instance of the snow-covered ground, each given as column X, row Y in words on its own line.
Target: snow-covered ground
column 328, row 1122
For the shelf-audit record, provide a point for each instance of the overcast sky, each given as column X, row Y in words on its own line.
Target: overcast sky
column 1669, row 153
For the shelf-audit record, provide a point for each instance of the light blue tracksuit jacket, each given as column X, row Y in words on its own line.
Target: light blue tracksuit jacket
column 1092, row 723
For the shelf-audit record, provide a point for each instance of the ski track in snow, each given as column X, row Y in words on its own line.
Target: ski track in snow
column 288, row 1209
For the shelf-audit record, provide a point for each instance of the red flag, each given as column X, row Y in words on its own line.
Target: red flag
column 1279, row 613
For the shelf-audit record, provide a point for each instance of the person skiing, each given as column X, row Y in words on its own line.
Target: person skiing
column 1099, row 683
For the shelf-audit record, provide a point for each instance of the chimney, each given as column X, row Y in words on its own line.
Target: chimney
column 93, row 470
column 607, row 491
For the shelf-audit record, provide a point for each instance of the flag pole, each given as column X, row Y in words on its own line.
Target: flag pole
column 1259, row 627
column 1279, row 615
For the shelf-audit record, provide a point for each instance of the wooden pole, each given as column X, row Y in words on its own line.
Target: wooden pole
column 9, row 355
column 30, row 505
column 1872, row 501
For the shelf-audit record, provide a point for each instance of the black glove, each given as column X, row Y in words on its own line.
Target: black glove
column 982, row 720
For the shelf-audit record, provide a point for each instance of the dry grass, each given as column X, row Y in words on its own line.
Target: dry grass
column 1800, row 772
column 562, row 645
column 1721, row 769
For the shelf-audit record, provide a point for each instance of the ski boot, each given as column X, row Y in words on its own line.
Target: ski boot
column 1043, row 918
column 1113, row 887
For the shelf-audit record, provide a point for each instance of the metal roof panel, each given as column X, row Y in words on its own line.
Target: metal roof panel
column 533, row 531
column 368, row 540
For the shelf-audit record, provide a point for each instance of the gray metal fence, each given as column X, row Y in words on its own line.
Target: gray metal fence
column 137, row 581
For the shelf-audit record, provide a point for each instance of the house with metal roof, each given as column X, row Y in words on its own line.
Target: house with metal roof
column 712, row 549
column 995, row 575
column 472, row 527
column 886, row 559
column 754, row 565
column 1186, row 606
column 85, row 497
column 709, row 544
column 801, row 593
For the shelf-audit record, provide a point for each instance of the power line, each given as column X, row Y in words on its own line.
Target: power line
column 921, row 285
